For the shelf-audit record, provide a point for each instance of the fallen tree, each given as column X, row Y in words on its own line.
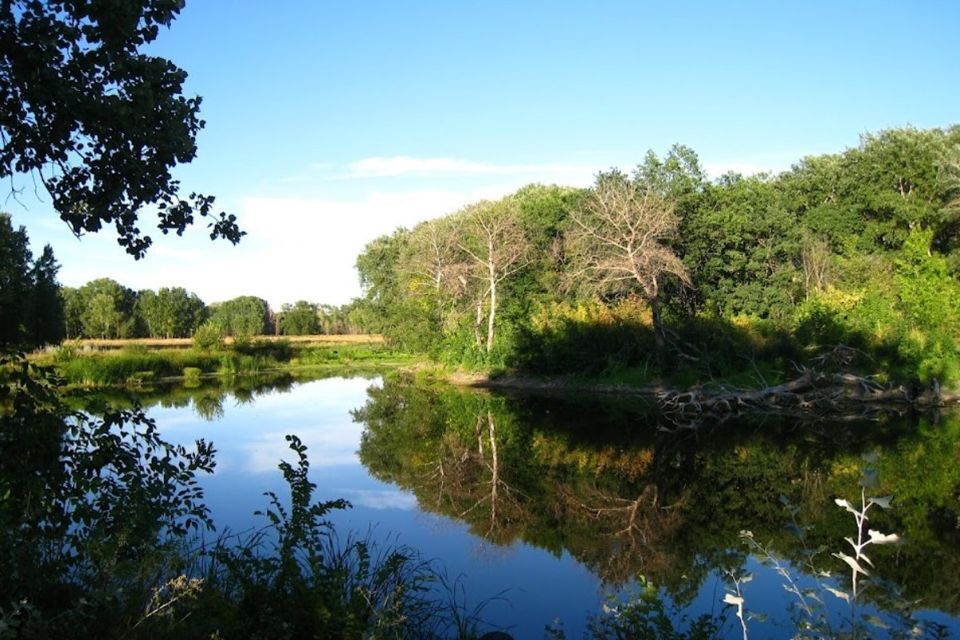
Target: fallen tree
column 811, row 392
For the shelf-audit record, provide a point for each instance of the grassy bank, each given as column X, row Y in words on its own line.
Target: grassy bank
column 114, row 362
column 186, row 343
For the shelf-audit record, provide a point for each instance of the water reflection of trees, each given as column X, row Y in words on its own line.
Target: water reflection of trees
column 628, row 495
column 207, row 396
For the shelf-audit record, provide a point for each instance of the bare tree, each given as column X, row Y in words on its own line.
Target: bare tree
column 816, row 264
column 496, row 246
column 431, row 263
column 429, row 253
column 949, row 178
column 617, row 242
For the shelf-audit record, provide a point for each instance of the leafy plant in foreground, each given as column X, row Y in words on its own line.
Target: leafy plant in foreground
column 91, row 510
column 812, row 616
column 295, row 578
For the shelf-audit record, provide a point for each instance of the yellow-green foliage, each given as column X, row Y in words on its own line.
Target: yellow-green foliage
column 911, row 320
column 587, row 336
column 558, row 315
column 191, row 376
column 209, row 337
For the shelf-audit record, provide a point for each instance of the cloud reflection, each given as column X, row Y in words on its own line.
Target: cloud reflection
column 379, row 498
column 327, row 446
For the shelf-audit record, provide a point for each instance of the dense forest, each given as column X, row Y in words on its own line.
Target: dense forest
column 667, row 271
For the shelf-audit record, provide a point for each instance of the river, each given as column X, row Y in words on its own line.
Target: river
column 557, row 510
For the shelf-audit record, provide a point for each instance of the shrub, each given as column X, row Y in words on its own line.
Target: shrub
column 208, row 337
column 191, row 376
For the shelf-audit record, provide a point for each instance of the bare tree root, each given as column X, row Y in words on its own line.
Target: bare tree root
column 812, row 392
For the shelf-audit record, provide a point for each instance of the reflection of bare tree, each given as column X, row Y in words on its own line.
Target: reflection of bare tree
column 624, row 494
column 508, row 500
column 641, row 530
column 468, row 480
column 446, row 473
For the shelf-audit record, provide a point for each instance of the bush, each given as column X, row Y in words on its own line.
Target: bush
column 295, row 575
column 586, row 337
column 191, row 376
column 208, row 337
column 97, row 539
column 92, row 513
column 277, row 350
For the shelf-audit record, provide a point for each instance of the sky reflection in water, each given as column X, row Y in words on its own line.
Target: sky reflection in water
column 249, row 438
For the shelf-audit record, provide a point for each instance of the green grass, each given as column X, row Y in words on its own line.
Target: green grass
column 138, row 366
column 99, row 368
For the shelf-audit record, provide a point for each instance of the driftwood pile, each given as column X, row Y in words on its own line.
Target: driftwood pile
column 813, row 392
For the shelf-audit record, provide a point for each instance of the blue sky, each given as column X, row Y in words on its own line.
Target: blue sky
column 329, row 123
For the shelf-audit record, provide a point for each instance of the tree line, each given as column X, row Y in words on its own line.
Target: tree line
column 35, row 310
column 664, row 267
column 104, row 308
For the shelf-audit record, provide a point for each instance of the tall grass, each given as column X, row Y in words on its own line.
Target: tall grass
column 138, row 365
column 102, row 368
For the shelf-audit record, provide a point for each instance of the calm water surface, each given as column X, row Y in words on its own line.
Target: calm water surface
column 546, row 508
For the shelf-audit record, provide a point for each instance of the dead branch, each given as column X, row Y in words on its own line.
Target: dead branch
column 812, row 392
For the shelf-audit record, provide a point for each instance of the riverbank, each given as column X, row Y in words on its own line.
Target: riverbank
column 98, row 344
column 138, row 363
column 810, row 392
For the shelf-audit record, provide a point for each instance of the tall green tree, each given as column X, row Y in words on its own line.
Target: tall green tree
column 171, row 312
column 495, row 246
column 73, row 306
column 148, row 312
column 107, row 309
column 431, row 274
column 48, row 321
column 31, row 312
column 299, row 319
column 335, row 320
column 679, row 178
column 15, row 284
column 242, row 317
column 545, row 216
column 387, row 306
column 743, row 249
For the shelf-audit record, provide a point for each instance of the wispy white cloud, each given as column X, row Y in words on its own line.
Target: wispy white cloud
column 303, row 239
column 312, row 243
column 404, row 166
column 412, row 169
column 332, row 444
